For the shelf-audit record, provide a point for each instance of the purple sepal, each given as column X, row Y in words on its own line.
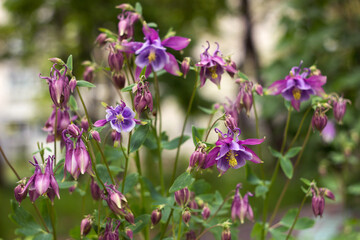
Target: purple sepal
column 176, row 43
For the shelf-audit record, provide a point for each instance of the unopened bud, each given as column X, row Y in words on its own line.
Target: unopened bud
column 185, row 66
column 119, row 80
column 156, row 216
column 72, row 84
column 89, row 73
column 129, row 233
column 182, row 196
column 129, row 217
column 95, row 190
column 57, row 61
column 101, row 39
column 84, row 124
column 95, row 135
column 339, row 108
column 205, row 212
column 73, row 130
column 85, row 225
column 319, row 120
column 20, row 192
column 186, row 215
column 191, row 235
column 259, row 89
column 226, row 234
column 115, row 60
column 230, row 122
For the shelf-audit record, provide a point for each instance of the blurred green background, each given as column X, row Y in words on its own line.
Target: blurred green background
column 271, row 37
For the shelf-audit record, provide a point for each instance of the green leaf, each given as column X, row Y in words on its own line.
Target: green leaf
column 103, row 173
column 302, row 223
column 206, row 110
column 128, row 88
column 275, row 153
column 261, row 190
column 139, row 137
column 152, row 25
column 256, row 231
column 44, row 210
column 197, row 134
column 306, row 181
column 43, row 236
column 182, row 181
column 109, row 34
column 150, row 141
column 69, row 63
column 250, row 176
column 140, row 223
column 287, row 105
column 72, row 103
column 131, row 180
column 292, row 152
column 354, row 189
column 66, row 184
column 201, row 187
column 277, row 234
column 286, row 166
column 83, row 83
column 243, row 76
column 138, row 8
column 174, row 143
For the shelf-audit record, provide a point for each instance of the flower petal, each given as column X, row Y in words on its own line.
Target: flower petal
column 161, row 59
column 222, row 165
column 127, row 125
column 255, row 158
column 176, row 43
column 211, row 157
column 276, row 87
column 251, row 141
column 172, row 66
column 128, row 113
column 150, row 33
column 100, row 123
column 296, row 104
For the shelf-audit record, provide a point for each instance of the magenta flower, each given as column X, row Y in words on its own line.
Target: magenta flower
column 329, row 132
column 298, row 86
column 77, row 158
column 339, row 108
column 121, row 118
column 63, row 121
column 126, row 24
column 318, row 200
column 211, row 66
column 240, row 207
column 230, row 152
column 43, row 181
column 143, row 99
column 152, row 53
column 115, row 200
column 110, row 233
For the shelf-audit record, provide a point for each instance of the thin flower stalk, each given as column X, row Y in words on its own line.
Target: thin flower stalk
column 55, row 133
column 52, row 218
column 9, row 164
column 258, row 136
column 206, row 230
column 126, row 162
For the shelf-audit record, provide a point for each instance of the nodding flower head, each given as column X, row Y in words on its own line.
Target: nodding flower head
column 121, row 118
column 152, row 53
column 126, row 24
column 43, row 181
column 59, row 86
column 62, row 122
column 198, row 157
column 110, row 233
column 319, row 119
column 318, row 200
column 143, row 99
column 115, row 200
column 240, row 207
column 245, row 97
column 298, row 86
column 115, row 59
column 339, row 108
column 211, row 66
column 230, row 152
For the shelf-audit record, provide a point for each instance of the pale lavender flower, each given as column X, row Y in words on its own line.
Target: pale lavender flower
column 240, row 207
column 121, row 118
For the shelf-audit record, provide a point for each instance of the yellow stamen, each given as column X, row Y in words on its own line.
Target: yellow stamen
column 120, row 117
column 230, row 156
column 213, row 72
column 296, row 93
column 152, row 56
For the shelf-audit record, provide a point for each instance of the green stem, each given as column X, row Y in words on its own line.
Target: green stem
column 275, row 173
column 299, row 128
column 84, row 106
column 179, row 229
column 41, row 218
column 98, row 229
column 157, row 97
column 297, row 216
column 183, row 129
column 167, row 223
column 288, row 180
column 52, row 218
column 258, row 136
column 220, row 207
column 55, row 133
column 93, row 163
column 9, row 164
column 209, row 129
column 126, row 163
column 206, row 230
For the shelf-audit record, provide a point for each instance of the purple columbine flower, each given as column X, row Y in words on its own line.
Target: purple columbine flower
column 318, row 200
column 85, row 225
column 298, row 86
column 211, row 66
column 245, row 98
column 43, row 181
column 182, row 196
column 20, row 192
column 59, row 86
column 152, row 53
column 115, row 200
column 89, row 73
column 230, row 152
column 121, row 118
column 110, row 233
column 339, row 108
column 126, row 24
column 77, row 158
column 319, row 119
column 240, row 207
column 63, row 121
column 143, row 99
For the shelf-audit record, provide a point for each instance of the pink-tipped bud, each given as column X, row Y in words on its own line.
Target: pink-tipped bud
column 84, row 124
column 259, row 89
column 327, row 193
column 156, row 216
column 185, row 66
column 129, row 233
column 95, row 190
column 73, row 130
column 198, row 157
column 226, row 234
column 129, row 217
column 339, row 108
column 115, row 60
column 95, row 135
column 119, row 80
column 186, row 216
column 319, row 120
column 191, row 235
column 85, row 225
column 205, row 212
column 182, row 197
column 230, row 122
column 89, row 73
column 101, row 39
column 72, row 84
column 20, row 191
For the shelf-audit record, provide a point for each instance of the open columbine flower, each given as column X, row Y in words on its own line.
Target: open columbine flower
column 121, row 118
column 152, row 53
column 230, row 152
column 299, row 85
column 240, row 207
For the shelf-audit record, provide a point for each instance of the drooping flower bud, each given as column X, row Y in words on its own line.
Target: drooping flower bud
column 129, row 233
column 119, row 80
column 115, row 59
column 244, row 98
column 226, row 234
column 95, row 190
column 182, row 197
column 185, row 66
column 155, row 216
column 230, row 122
column 205, row 212
column 84, row 123
column 319, row 119
column 318, row 200
column 85, row 225
column 198, row 157
column 109, row 233
column 73, row 130
column 186, row 215
column 129, row 217
column 230, row 67
column 115, row 200
column 339, row 108
column 329, row 132
column 95, row 135
column 20, row 192
column 101, row 39
column 89, row 73
column 259, row 89
column 72, row 189
column 116, row 137
column 327, row 193
column 191, row 235
column 72, row 84
column 143, row 99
